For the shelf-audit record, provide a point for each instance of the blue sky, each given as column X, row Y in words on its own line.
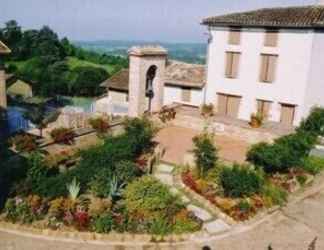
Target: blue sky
column 163, row 20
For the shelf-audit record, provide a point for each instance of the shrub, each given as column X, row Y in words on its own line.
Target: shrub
column 167, row 114
column 241, row 181
column 314, row 122
column 24, row 143
column 100, row 124
column 140, row 133
column 37, row 170
column 205, row 153
column 313, row 164
column 285, row 153
column 148, row 198
column 160, row 226
column 63, row 135
column 274, row 195
column 103, row 223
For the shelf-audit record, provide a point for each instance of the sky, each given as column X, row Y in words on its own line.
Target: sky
column 149, row 20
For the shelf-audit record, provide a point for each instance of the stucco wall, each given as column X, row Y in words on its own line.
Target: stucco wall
column 174, row 94
column 315, row 89
column 117, row 96
column 294, row 50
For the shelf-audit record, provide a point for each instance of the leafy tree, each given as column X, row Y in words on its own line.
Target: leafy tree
column 40, row 117
column 205, row 152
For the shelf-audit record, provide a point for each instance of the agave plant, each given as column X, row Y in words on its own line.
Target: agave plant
column 74, row 189
column 115, row 188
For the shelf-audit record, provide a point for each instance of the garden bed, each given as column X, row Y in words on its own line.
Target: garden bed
column 106, row 189
column 275, row 170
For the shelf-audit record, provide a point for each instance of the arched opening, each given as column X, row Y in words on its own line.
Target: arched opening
column 149, row 92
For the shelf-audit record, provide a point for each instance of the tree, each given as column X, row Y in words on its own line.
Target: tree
column 40, row 117
column 205, row 152
column 88, row 80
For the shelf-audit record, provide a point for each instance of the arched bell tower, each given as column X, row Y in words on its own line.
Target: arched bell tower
column 146, row 79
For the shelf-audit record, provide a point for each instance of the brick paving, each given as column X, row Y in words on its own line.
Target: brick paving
column 177, row 141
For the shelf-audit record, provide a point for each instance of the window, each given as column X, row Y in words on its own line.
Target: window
column 186, row 94
column 263, row 108
column 268, row 67
column 232, row 64
column 234, row 37
column 271, row 38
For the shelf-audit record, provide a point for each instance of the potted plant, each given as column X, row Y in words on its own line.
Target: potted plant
column 207, row 110
column 256, row 120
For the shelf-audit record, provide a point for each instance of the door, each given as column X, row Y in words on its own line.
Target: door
column 287, row 114
column 186, row 94
column 228, row 105
column 263, row 108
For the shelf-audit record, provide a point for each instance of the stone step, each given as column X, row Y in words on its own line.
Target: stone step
column 164, row 168
column 216, row 226
column 200, row 213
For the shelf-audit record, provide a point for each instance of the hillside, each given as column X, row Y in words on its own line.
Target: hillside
column 74, row 62
column 187, row 52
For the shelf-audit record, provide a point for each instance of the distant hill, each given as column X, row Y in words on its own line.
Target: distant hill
column 188, row 52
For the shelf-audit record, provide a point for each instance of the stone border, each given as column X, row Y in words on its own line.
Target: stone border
column 253, row 220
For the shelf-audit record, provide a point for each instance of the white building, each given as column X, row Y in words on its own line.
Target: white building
column 269, row 61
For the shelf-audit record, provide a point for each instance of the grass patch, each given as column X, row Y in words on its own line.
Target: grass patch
column 74, row 62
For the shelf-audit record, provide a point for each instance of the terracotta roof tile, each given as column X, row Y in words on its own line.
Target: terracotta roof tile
column 309, row 17
column 177, row 74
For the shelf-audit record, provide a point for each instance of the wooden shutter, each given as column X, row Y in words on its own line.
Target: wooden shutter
column 235, row 66
column 268, row 67
column 186, row 94
column 222, row 104
column 233, row 106
column 263, row 107
column 232, row 64
column 234, row 37
column 271, row 38
column 287, row 114
column 229, row 64
column 272, row 65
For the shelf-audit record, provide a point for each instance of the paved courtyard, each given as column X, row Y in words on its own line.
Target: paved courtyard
column 178, row 141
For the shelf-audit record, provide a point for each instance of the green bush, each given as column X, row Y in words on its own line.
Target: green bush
column 186, row 226
column 313, row 164
column 274, row 195
column 314, row 122
column 241, row 181
column 285, row 153
column 140, row 134
column 148, row 198
column 160, row 226
column 205, row 152
column 103, row 224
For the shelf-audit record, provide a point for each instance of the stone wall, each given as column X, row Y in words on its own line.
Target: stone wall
column 246, row 134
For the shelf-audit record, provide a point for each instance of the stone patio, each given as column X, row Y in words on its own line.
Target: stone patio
column 177, row 142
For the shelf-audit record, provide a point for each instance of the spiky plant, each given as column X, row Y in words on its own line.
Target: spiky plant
column 74, row 189
column 115, row 190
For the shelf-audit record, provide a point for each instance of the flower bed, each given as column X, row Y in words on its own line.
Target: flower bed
column 106, row 190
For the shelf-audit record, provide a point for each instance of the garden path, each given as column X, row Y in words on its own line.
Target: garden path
column 211, row 224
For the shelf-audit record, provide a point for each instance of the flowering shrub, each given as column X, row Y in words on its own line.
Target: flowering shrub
column 63, row 135
column 24, row 143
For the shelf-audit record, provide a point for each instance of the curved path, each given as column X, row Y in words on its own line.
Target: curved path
column 294, row 227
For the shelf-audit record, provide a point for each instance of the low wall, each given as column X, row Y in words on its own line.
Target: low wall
column 246, row 134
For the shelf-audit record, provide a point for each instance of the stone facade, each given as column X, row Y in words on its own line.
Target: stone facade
column 141, row 59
